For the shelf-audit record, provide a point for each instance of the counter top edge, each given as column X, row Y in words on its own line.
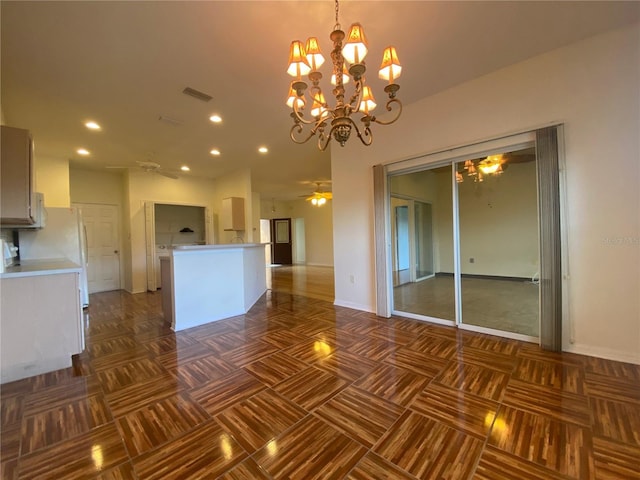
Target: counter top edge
column 229, row 246
column 30, row 268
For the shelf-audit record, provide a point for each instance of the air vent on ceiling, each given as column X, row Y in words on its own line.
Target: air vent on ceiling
column 197, row 94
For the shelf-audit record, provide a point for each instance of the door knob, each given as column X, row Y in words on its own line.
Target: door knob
column 115, row 251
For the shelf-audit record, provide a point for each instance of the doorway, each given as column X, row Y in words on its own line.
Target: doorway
column 281, row 246
column 168, row 225
column 423, row 221
column 485, row 234
column 102, row 227
column 412, row 240
column 400, row 238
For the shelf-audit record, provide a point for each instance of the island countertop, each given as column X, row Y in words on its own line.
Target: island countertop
column 182, row 248
column 205, row 283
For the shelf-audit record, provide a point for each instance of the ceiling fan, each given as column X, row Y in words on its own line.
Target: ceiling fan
column 318, row 197
column 151, row 167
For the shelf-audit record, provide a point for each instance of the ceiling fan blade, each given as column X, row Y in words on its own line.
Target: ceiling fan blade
column 166, row 174
column 148, row 164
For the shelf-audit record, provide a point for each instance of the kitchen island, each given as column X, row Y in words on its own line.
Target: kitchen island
column 40, row 317
column 205, row 283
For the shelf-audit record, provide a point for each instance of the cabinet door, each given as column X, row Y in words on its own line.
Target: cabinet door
column 17, row 176
column 233, row 214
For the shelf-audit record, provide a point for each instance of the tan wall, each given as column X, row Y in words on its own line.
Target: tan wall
column 52, row 179
column 318, row 226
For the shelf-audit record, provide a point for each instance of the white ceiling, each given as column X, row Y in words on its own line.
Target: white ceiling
column 124, row 64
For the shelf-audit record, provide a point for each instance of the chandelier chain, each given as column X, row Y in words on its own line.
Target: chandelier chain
column 337, row 27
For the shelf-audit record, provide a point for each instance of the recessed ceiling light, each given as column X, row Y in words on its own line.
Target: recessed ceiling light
column 215, row 151
column 215, row 118
column 184, row 168
column 92, row 126
column 82, row 151
column 263, row 149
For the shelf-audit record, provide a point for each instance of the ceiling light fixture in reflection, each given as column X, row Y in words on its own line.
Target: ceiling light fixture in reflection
column 272, row 448
column 97, row 457
column 225, row 446
column 497, row 424
column 322, row 347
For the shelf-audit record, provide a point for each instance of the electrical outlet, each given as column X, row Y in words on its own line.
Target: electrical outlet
column 352, row 279
column 472, row 260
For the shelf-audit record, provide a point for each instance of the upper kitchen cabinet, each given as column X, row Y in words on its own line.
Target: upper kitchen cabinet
column 16, row 177
column 233, row 214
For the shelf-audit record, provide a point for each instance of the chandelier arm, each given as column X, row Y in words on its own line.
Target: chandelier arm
column 297, row 129
column 398, row 112
column 298, row 116
column 366, row 136
column 356, row 98
column 323, row 141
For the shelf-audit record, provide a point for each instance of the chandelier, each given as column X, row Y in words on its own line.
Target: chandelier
column 492, row 165
column 306, row 59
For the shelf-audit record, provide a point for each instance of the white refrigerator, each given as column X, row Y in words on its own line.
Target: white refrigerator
column 63, row 237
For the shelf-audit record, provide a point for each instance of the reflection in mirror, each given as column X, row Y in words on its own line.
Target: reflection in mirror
column 422, row 243
column 499, row 256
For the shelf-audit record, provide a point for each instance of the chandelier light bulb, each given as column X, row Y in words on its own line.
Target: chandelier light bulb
column 368, row 103
column 293, row 97
column 318, row 107
column 313, row 55
column 356, row 46
column 298, row 65
column 390, row 69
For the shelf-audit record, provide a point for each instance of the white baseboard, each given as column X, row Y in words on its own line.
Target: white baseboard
column 618, row 356
column 354, row 306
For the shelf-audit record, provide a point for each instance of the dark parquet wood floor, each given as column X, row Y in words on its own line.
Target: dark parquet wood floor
column 300, row 389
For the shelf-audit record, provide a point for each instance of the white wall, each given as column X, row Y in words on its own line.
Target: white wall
column 142, row 187
column 591, row 87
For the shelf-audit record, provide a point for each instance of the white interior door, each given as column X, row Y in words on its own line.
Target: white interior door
column 103, row 246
